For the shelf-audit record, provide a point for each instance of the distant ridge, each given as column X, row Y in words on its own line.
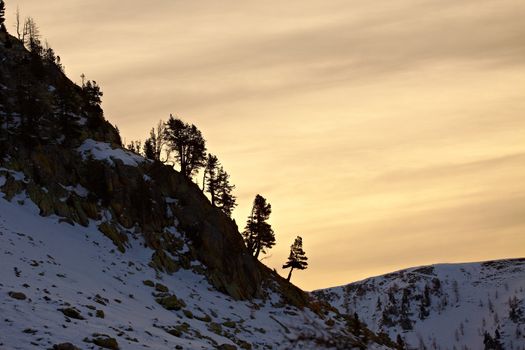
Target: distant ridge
column 444, row 306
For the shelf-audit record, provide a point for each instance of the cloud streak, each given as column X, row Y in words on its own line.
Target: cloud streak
column 387, row 134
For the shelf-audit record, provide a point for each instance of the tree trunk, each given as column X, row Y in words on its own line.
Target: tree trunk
column 258, row 251
column 289, row 275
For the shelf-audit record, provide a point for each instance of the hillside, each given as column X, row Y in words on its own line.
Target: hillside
column 102, row 248
column 68, row 284
column 445, row 306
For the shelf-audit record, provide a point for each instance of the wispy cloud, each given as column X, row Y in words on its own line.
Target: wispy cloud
column 387, row 133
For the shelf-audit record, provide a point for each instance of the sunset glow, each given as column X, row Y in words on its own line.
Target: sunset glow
column 387, row 134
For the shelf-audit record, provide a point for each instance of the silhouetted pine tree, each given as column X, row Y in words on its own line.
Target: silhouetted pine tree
column 3, row 31
column 216, row 182
column 492, row 343
column 92, row 96
column 154, row 145
column 2, row 15
column 135, row 146
column 226, row 201
column 258, row 234
column 67, row 121
column 400, row 343
column 92, row 93
column 210, row 181
column 404, row 320
column 424, row 304
column 297, row 258
column 188, row 145
column 149, row 152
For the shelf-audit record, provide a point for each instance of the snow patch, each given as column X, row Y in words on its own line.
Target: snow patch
column 103, row 151
column 17, row 175
column 170, row 200
column 78, row 189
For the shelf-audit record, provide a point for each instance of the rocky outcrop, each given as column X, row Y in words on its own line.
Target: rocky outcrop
column 122, row 199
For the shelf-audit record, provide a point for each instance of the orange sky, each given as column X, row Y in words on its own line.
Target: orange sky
column 387, row 134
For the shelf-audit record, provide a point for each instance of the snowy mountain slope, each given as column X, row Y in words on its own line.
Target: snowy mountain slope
column 52, row 274
column 445, row 306
column 100, row 247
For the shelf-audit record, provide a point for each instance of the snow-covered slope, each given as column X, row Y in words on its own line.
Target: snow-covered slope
column 68, row 284
column 100, row 247
column 445, row 306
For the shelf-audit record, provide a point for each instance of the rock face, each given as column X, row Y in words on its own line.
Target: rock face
column 216, row 240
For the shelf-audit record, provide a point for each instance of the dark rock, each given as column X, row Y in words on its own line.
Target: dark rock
column 229, row 324
column 162, row 262
column 17, row 295
column 244, row 345
column 71, row 312
column 148, row 283
column 226, row 347
column 106, row 342
column 171, row 303
column 118, row 238
column 65, row 346
column 161, row 288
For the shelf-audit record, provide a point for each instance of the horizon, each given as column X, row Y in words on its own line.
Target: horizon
column 387, row 137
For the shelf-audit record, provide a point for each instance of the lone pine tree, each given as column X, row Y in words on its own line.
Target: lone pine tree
column 258, row 234
column 297, row 258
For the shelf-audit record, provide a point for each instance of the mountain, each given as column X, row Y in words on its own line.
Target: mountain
column 63, row 283
column 101, row 248
column 444, row 306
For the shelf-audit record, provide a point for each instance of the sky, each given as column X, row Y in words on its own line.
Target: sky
column 387, row 134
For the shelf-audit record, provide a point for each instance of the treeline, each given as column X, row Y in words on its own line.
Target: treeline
column 38, row 104
column 28, row 33
column 178, row 142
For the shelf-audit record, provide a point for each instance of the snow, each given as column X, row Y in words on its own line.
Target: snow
column 17, row 175
column 465, row 301
column 170, row 200
column 78, row 189
column 103, row 151
column 82, row 121
column 57, row 265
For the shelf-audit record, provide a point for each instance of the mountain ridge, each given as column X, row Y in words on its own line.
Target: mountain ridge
column 441, row 306
column 420, row 266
